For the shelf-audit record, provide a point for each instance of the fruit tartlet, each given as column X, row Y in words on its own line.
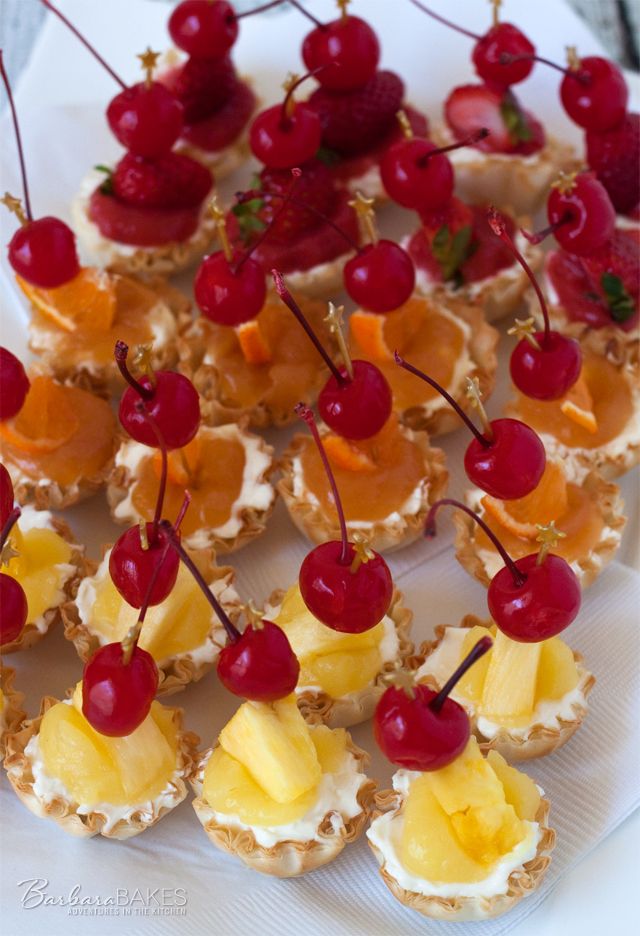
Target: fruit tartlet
column 94, row 784
column 226, row 470
column 283, row 796
column 11, row 701
column 181, row 633
column 524, row 700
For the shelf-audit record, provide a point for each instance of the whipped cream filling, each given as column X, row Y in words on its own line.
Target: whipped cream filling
column 255, row 493
column 32, row 519
column 468, row 155
column 550, row 713
column 385, row 833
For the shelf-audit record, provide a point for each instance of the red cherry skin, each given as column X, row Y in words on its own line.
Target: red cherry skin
column 117, row 696
column 502, row 39
column 381, row 277
column 413, row 736
column 43, row 252
column 285, row 142
column 549, row 373
column 146, row 120
column 131, row 567
column 348, row 48
column 543, row 606
column 260, row 665
column 6, row 495
column 358, row 408
column 595, row 95
column 509, row 467
column 589, row 216
column 203, row 29
column 13, row 603
column 422, row 187
column 174, row 405
column 228, row 295
column 14, row 384
column 346, row 601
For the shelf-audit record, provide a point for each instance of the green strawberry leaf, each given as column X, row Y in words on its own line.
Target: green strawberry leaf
column 515, row 120
column 107, row 186
column 249, row 221
column 452, row 251
column 328, row 156
column 621, row 304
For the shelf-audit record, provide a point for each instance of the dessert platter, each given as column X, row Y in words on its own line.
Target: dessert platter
column 320, row 413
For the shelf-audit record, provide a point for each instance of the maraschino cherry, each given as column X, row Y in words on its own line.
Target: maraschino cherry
column 170, row 399
column 348, row 45
column 287, row 134
column 345, row 585
column 257, row 664
column 207, row 30
column 356, row 400
column 13, row 600
column 421, row 729
column 6, row 495
column 530, row 599
column 544, row 364
column 507, row 459
column 42, row 252
column 14, row 384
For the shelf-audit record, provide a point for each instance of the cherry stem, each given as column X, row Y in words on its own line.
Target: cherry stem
column 295, row 173
column 121, row 351
column 183, row 509
column 84, row 41
column 303, row 411
column 498, row 226
column 306, row 13
column 287, row 298
column 16, row 127
column 260, row 9
column 9, row 525
column 445, row 22
column 430, row 530
column 286, row 114
column 538, row 236
column 484, row 644
column 473, row 138
column 162, row 445
column 436, row 386
column 506, row 58
column 232, row 631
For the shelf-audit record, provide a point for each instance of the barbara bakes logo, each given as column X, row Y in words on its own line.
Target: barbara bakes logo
column 124, row 901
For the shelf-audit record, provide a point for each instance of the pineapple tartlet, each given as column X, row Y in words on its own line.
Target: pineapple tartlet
column 11, row 711
column 342, row 675
column 48, row 564
column 524, row 700
column 91, row 784
column 283, row 796
column 226, row 470
column 387, row 484
column 182, row 633
column 465, row 842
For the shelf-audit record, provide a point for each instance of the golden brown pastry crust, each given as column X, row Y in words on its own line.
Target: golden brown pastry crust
column 288, row 858
column 64, row 812
column 522, row 882
column 384, row 536
column 12, row 714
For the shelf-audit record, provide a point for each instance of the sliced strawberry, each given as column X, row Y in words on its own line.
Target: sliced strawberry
column 171, row 181
column 471, row 107
column 141, row 227
column 614, row 156
column 202, row 86
column 314, row 187
column 354, row 166
column 224, row 127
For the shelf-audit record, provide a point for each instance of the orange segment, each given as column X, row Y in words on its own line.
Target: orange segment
column 344, row 455
column 253, row 342
column 46, row 421
column 182, row 464
column 88, row 301
column 548, row 501
column 578, row 406
column 367, row 330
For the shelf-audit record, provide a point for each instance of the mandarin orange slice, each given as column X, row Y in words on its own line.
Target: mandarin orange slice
column 253, row 342
column 182, row 464
column 345, row 455
column 88, row 301
column 578, row 406
column 547, row 502
column 367, row 329
column 46, row 421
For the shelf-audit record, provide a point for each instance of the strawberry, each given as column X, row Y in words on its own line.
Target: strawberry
column 221, row 129
column 202, row 86
column 614, row 156
column 354, row 121
column 314, row 187
column 471, row 107
column 171, row 181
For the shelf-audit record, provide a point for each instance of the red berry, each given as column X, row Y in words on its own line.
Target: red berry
column 582, row 215
column 173, row 403
column 509, row 466
column 43, row 252
column 469, row 108
column 146, row 119
column 282, row 142
column 614, row 156
column 548, row 373
column 595, row 94
column 14, row 384
column 415, row 179
column 203, row 29
column 314, row 187
column 13, row 602
column 223, row 128
column 117, row 696
column 170, row 181
column 346, row 49
column 345, row 600
column 503, row 39
column 202, row 86
column 540, row 607
column 142, row 227
column 358, row 408
column 6, row 494
column 132, row 567
column 260, row 665
column 229, row 293
column 381, row 277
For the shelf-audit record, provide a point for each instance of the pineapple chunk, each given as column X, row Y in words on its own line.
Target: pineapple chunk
column 488, row 832
column 467, row 782
column 343, row 672
column 331, row 747
column 519, row 789
column 471, row 685
column 165, row 719
column 557, row 672
column 310, row 638
column 40, row 552
column 273, row 742
column 510, row 684
column 429, row 847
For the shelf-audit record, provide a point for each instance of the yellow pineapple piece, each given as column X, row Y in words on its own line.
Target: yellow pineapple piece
column 429, row 846
column 488, row 832
column 331, row 747
column 508, row 696
column 467, row 782
column 472, row 683
column 557, row 670
column 273, row 742
column 343, row 672
column 40, row 552
column 165, row 719
column 519, row 789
